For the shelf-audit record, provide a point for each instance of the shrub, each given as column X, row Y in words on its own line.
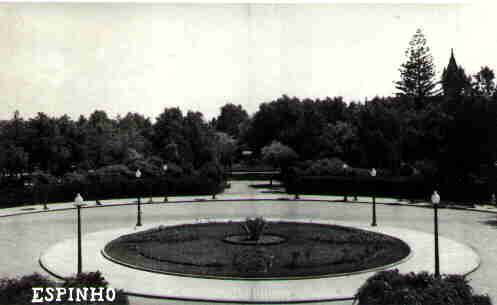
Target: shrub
column 391, row 287
column 86, row 279
column 325, row 167
column 19, row 291
column 111, row 171
column 254, row 227
column 427, row 168
column 278, row 154
column 75, row 177
column 212, row 170
column 40, row 177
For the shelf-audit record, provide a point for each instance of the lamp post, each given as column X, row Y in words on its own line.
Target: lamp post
column 344, row 167
column 373, row 223
column 164, row 167
column 493, row 185
column 45, row 197
column 297, row 197
column 138, row 174
column 435, row 200
column 214, row 193
column 78, row 202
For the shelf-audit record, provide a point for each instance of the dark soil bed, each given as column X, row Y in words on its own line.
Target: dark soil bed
column 305, row 249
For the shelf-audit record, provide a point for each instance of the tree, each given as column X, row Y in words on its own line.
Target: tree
column 454, row 80
column 276, row 120
column 418, row 72
column 278, row 154
column 225, row 148
column 230, row 119
column 484, row 84
column 339, row 140
column 168, row 130
column 13, row 159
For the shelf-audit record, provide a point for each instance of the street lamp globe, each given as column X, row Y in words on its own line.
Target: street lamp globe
column 164, row 167
column 138, row 173
column 78, row 200
column 435, row 198
column 373, row 172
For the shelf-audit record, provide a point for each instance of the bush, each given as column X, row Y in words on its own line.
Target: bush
column 427, row 168
column 75, row 177
column 19, row 291
column 391, row 287
column 110, row 171
column 213, row 171
column 89, row 279
column 40, row 177
column 323, row 167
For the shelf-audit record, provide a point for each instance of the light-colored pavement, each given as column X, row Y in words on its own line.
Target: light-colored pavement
column 315, row 289
column 23, row 238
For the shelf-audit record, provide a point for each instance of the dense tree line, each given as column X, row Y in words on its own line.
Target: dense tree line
column 58, row 145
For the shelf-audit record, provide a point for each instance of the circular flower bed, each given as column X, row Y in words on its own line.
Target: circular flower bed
column 285, row 250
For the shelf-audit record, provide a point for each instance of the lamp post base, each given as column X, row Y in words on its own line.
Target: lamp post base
column 139, row 215
column 373, row 223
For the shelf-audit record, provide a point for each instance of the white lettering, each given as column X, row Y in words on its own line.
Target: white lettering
column 71, row 290
column 49, row 297
column 36, row 295
column 83, row 293
column 94, row 294
column 60, row 292
column 109, row 292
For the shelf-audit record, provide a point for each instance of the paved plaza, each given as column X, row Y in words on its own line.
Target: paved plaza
column 314, row 289
column 26, row 237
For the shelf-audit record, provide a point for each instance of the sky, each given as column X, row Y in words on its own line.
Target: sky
column 75, row 58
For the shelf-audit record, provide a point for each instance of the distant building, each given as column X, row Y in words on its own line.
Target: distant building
column 454, row 80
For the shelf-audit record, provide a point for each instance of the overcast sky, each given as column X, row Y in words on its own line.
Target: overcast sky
column 76, row 58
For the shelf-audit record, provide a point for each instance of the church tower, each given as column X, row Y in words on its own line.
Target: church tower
column 454, row 80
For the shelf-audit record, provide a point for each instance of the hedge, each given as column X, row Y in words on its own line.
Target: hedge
column 400, row 187
column 414, row 187
column 393, row 288
column 119, row 187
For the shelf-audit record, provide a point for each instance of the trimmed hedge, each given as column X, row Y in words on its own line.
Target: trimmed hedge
column 118, row 187
column 393, row 288
column 398, row 187
column 414, row 187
